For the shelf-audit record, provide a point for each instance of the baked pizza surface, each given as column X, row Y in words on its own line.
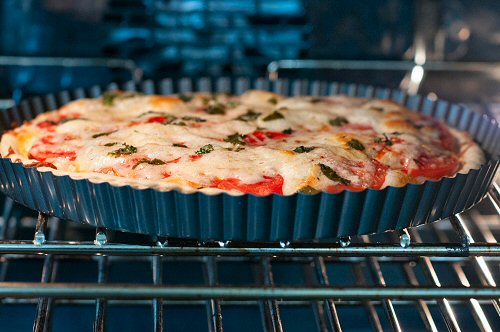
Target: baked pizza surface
column 258, row 143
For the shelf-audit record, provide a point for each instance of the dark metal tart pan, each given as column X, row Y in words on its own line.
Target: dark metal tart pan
column 251, row 218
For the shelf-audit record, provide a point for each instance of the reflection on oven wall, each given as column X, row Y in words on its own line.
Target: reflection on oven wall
column 49, row 45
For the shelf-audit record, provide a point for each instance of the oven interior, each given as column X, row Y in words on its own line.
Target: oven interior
column 63, row 276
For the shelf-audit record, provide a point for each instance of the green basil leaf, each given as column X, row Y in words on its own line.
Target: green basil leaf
column 103, row 134
column 150, row 112
column 193, row 118
column 205, row 149
column 233, row 104
column 108, row 98
column 387, row 140
column 308, row 190
column 71, row 119
column 111, row 144
column 356, row 145
column 272, row 100
column 250, row 115
column 274, row 116
column 332, row 175
column 339, row 121
column 185, row 98
column 149, row 162
column 218, row 108
column 169, row 119
column 235, row 138
column 127, row 149
column 304, row 149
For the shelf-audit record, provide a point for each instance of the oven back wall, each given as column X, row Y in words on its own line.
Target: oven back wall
column 227, row 37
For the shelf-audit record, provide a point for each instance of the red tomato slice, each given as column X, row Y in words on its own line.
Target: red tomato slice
column 42, row 164
column 107, row 170
column 174, row 161
column 357, row 126
column 133, row 124
column 270, row 185
column 46, row 125
column 195, row 156
column 249, row 139
column 435, row 167
column 447, row 140
column 337, row 188
column 49, row 139
column 259, row 136
column 44, row 155
column 73, row 115
column 270, row 134
column 54, row 139
column 156, row 119
column 397, row 140
column 377, row 182
column 380, row 174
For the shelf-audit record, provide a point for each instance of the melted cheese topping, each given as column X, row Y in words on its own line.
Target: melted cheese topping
column 258, row 143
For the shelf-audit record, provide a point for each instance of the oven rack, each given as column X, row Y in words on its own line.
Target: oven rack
column 466, row 247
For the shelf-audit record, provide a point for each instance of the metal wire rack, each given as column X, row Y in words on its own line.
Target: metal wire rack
column 436, row 277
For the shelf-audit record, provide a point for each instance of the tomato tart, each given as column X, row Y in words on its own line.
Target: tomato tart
column 258, row 143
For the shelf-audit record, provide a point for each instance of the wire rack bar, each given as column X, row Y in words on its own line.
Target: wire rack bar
column 477, row 311
column 45, row 305
column 214, row 310
column 271, row 308
column 494, row 196
column 157, row 270
column 329, row 305
column 238, row 302
column 376, row 272
column 422, row 306
column 359, row 250
column 480, row 266
column 388, row 306
column 129, row 65
column 369, row 305
column 76, row 290
column 443, row 304
column 199, row 259
column 100, row 303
